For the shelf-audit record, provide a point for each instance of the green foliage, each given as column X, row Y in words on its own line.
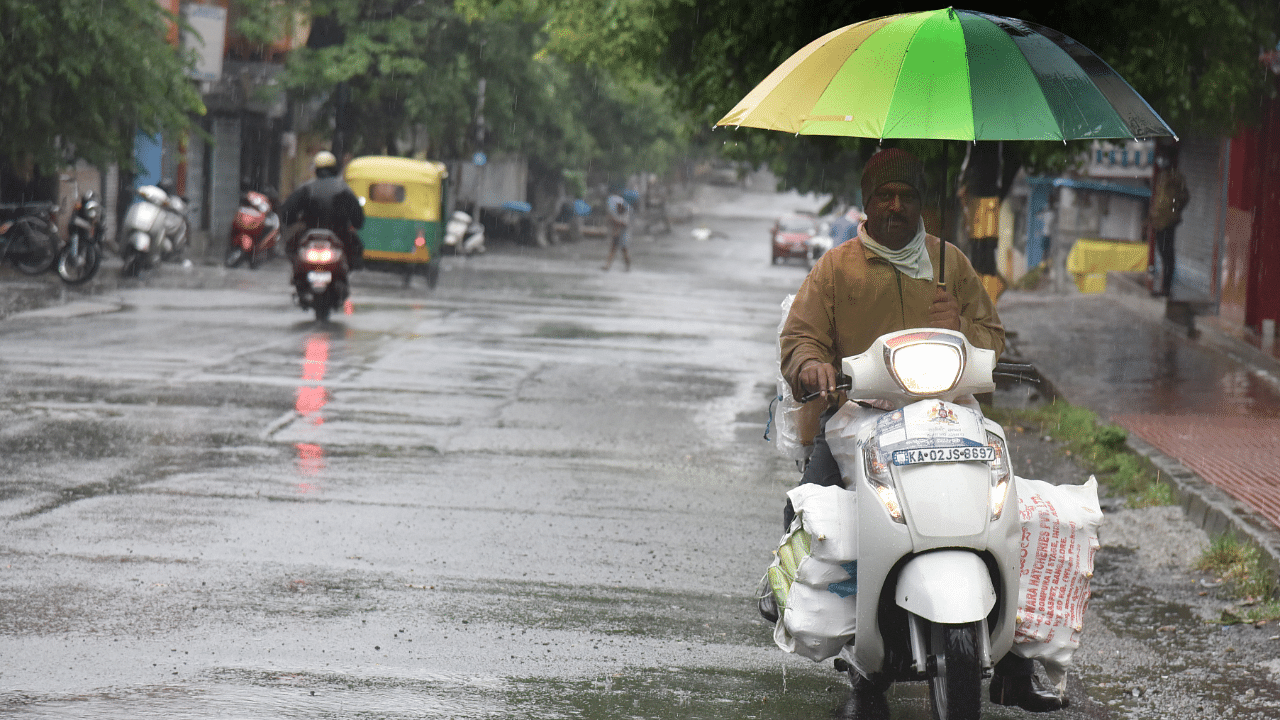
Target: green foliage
column 1098, row 446
column 1195, row 61
column 81, row 76
column 1248, row 577
column 414, row 71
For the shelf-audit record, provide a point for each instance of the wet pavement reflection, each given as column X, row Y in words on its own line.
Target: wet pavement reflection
column 309, row 406
column 1103, row 355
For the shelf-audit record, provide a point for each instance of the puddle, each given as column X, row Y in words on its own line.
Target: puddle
column 1171, row 662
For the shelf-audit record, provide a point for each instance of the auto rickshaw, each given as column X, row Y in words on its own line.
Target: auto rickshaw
column 403, row 202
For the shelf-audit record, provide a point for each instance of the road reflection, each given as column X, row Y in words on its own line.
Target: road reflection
column 312, row 397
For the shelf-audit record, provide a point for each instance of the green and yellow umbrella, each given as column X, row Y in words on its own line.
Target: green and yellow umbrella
column 948, row 75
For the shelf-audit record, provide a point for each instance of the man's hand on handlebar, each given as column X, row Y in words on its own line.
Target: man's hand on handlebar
column 818, row 377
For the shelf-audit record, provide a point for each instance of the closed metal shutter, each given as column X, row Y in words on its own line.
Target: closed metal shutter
column 1197, row 235
column 224, row 180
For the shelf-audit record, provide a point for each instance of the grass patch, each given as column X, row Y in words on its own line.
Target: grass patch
column 1246, row 577
column 1099, row 446
column 1034, row 278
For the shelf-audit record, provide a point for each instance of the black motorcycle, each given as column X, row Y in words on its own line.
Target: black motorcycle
column 320, row 273
column 82, row 254
column 29, row 235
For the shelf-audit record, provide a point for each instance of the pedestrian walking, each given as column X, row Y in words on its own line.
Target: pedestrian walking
column 619, row 211
column 1168, row 200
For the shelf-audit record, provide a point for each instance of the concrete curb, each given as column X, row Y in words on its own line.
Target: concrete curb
column 1211, row 508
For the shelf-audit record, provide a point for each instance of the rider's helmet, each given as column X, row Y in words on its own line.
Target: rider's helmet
column 326, row 164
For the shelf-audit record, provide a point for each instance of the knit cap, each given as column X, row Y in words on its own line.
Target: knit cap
column 891, row 165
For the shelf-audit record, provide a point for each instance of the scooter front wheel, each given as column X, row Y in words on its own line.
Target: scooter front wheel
column 955, row 685
column 78, row 268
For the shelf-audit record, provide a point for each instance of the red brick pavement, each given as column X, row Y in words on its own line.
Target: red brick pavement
column 1241, row 455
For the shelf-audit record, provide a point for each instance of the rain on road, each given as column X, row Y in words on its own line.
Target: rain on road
column 539, row 490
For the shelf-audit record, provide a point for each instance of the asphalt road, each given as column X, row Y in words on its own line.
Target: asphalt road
column 538, row 490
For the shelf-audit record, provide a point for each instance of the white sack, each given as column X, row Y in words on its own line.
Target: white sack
column 820, row 573
column 830, row 516
column 817, row 623
column 1059, row 538
column 842, row 436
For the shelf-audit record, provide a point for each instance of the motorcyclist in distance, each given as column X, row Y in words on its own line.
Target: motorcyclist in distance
column 326, row 202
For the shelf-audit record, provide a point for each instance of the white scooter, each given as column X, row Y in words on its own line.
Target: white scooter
column 937, row 521
column 154, row 229
column 464, row 234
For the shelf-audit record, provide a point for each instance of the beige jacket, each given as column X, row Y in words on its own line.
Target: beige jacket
column 853, row 296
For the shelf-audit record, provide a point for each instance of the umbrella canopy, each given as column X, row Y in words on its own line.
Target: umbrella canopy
column 948, row 75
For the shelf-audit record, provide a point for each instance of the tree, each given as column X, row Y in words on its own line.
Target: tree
column 414, row 72
column 1195, row 61
column 83, row 76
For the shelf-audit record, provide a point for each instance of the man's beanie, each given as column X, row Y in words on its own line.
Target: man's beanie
column 892, row 165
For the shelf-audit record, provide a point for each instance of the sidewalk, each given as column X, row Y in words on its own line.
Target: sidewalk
column 1204, row 406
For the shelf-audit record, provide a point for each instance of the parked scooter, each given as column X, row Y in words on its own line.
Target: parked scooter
column 29, row 235
column 155, row 229
column 320, row 273
column 80, row 258
column 464, row 234
column 938, row 533
column 254, row 231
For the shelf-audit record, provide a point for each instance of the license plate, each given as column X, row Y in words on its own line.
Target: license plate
column 985, row 453
column 319, row 277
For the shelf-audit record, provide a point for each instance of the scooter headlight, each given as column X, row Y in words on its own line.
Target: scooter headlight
column 881, row 480
column 1001, row 474
column 925, row 363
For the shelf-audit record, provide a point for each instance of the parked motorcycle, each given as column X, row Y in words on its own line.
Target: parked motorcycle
column 320, row 273
column 29, row 235
column 155, row 229
column 937, row 529
column 81, row 256
column 254, row 231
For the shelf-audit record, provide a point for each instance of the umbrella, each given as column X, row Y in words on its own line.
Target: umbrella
column 948, row 75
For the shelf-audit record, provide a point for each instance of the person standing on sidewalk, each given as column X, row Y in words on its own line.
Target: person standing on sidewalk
column 619, row 222
column 1168, row 200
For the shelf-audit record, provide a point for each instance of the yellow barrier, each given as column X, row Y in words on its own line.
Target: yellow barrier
column 1090, row 260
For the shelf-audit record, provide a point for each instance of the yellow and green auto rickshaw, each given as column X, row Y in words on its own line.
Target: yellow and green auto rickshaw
column 404, row 203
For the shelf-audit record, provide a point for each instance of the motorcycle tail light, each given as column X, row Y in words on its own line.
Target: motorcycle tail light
column 322, row 255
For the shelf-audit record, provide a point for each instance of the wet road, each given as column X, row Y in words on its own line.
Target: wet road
column 539, row 490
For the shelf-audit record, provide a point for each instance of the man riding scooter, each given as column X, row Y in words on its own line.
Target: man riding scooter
column 882, row 281
column 326, row 202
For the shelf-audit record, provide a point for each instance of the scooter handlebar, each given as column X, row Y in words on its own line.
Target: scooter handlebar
column 843, row 382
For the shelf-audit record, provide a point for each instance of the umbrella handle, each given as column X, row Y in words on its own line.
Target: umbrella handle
column 942, row 264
